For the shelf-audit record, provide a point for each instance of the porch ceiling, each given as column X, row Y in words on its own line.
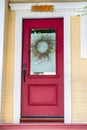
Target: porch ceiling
column 32, row 1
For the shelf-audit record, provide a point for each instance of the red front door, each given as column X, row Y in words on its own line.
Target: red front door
column 42, row 68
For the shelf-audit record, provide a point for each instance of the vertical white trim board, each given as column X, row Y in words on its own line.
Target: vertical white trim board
column 2, row 17
column 67, row 71
column 17, row 70
column 83, row 36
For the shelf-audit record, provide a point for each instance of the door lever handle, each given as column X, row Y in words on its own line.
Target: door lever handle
column 24, row 75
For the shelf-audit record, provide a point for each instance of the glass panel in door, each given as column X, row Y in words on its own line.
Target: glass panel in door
column 43, row 52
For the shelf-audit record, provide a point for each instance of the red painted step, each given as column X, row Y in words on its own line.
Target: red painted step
column 43, row 126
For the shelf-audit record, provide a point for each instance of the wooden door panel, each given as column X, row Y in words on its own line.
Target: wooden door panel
column 45, row 96
column 42, row 95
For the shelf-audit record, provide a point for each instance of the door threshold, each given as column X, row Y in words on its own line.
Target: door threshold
column 27, row 120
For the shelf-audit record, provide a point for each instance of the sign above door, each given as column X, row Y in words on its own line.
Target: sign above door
column 42, row 8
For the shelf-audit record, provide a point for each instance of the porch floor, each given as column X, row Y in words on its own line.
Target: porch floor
column 43, row 126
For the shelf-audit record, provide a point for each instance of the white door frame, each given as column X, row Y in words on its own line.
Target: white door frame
column 64, row 10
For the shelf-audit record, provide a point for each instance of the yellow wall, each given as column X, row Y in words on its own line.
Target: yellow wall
column 8, row 72
column 78, row 69
column 79, row 75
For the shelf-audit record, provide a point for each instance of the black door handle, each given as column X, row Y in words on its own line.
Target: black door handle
column 24, row 75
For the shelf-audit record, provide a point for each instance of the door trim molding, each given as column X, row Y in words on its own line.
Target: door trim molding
column 23, row 12
column 17, row 66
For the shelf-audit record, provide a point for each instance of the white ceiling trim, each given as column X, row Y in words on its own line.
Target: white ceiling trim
column 58, row 7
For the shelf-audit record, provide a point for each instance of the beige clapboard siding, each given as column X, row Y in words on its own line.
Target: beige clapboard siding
column 8, row 72
column 79, row 75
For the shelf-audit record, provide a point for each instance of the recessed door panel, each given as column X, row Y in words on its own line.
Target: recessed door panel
column 47, row 95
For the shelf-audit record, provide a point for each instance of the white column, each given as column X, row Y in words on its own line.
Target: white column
column 2, row 17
